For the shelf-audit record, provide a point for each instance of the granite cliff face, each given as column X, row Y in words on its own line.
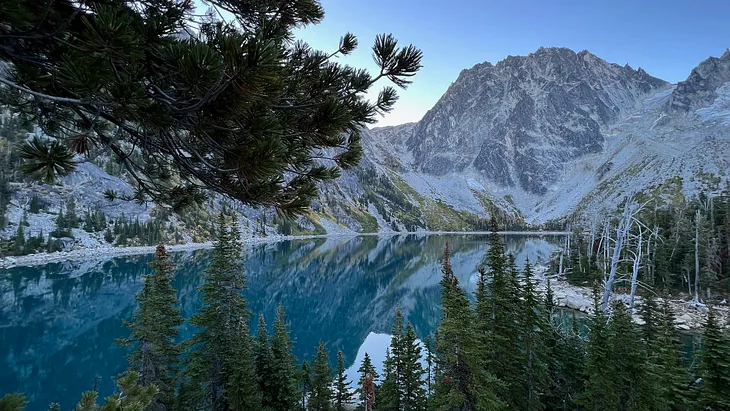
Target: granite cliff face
column 700, row 88
column 518, row 121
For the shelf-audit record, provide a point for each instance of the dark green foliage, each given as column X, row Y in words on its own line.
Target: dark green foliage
column 411, row 372
column 135, row 232
column 305, row 383
column 34, row 206
column 566, row 364
column 321, row 395
column 666, row 357
column 714, row 368
column 220, row 370
column 461, row 381
column 535, row 355
column 343, row 393
column 505, row 359
column 388, row 395
column 616, row 367
column 45, row 160
column 12, row 402
column 368, row 380
column 5, row 196
column 232, row 109
column 598, row 362
column 130, row 396
column 284, row 368
column 265, row 367
column 154, row 328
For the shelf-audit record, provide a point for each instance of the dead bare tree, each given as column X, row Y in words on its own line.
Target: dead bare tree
column 627, row 220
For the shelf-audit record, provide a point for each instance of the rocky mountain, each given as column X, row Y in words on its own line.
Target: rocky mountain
column 529, row 139
column 558, row 132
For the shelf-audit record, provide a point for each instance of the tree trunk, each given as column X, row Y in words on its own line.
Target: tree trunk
column 635, row 271
column 698, row 218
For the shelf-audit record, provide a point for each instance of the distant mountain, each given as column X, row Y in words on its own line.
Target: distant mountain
column 558, row 132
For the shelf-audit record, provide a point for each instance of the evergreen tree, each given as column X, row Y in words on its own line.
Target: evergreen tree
column 273, row 105
column 321, row 394
column 368, row 380
column 35, row 205
column 305, row 384
column 629, row 365
column 220, row 368
column 13, row 402
column 461, row 384
column 502, row 326
column 388, row 395
column 671, row 377
column 599, row 389
column 411, row 384
column 284, row 372
column 714, row 367
column 265, row 368
column 19, row 242
column 154, row 328
column 343, row 393
column 536, row 382
column 649, row 330
column 566, row 366
column 130, row 396
column 391, row 394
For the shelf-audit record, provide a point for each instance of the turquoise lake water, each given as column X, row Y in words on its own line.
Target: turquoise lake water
column 59, row 322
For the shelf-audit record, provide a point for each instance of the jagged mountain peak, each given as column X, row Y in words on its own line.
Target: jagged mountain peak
column 700, row 88
column 518, row 121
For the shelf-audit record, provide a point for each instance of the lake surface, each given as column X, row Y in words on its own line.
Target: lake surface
column 59, row 322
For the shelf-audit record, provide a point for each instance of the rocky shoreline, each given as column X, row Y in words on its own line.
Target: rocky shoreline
column 689, row 315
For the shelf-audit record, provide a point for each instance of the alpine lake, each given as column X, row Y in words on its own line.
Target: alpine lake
column 59, row 322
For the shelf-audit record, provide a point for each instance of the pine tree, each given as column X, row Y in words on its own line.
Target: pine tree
column 599, row 388
column 305, row 384
column 152, row 84
column 714, row 368
column 321, row 394
column 536, row 381
column 220, row 368
column 264, row 358
column 628, row 360
column 108, row 236
column 391, row 394
column 411, row 373
column 284, row 378
column 648, row 313
column 343, row 391
column 13, row 402
column 671, row 377
column 154, row 328
column 388, row 394
column 566, row 367
column 130, row 396
column 35, row 205
column 19, row 242
column 503, row 328
column 461, row 384
column 367, row 382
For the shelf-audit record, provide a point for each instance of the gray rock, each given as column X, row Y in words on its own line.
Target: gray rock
column 519, row 120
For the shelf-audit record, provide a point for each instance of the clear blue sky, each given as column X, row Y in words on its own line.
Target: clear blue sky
column 666, row 38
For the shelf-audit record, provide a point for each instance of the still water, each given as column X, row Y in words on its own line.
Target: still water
column 59, row 322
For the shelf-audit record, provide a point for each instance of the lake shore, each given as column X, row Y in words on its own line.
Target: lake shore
column 105, row 252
